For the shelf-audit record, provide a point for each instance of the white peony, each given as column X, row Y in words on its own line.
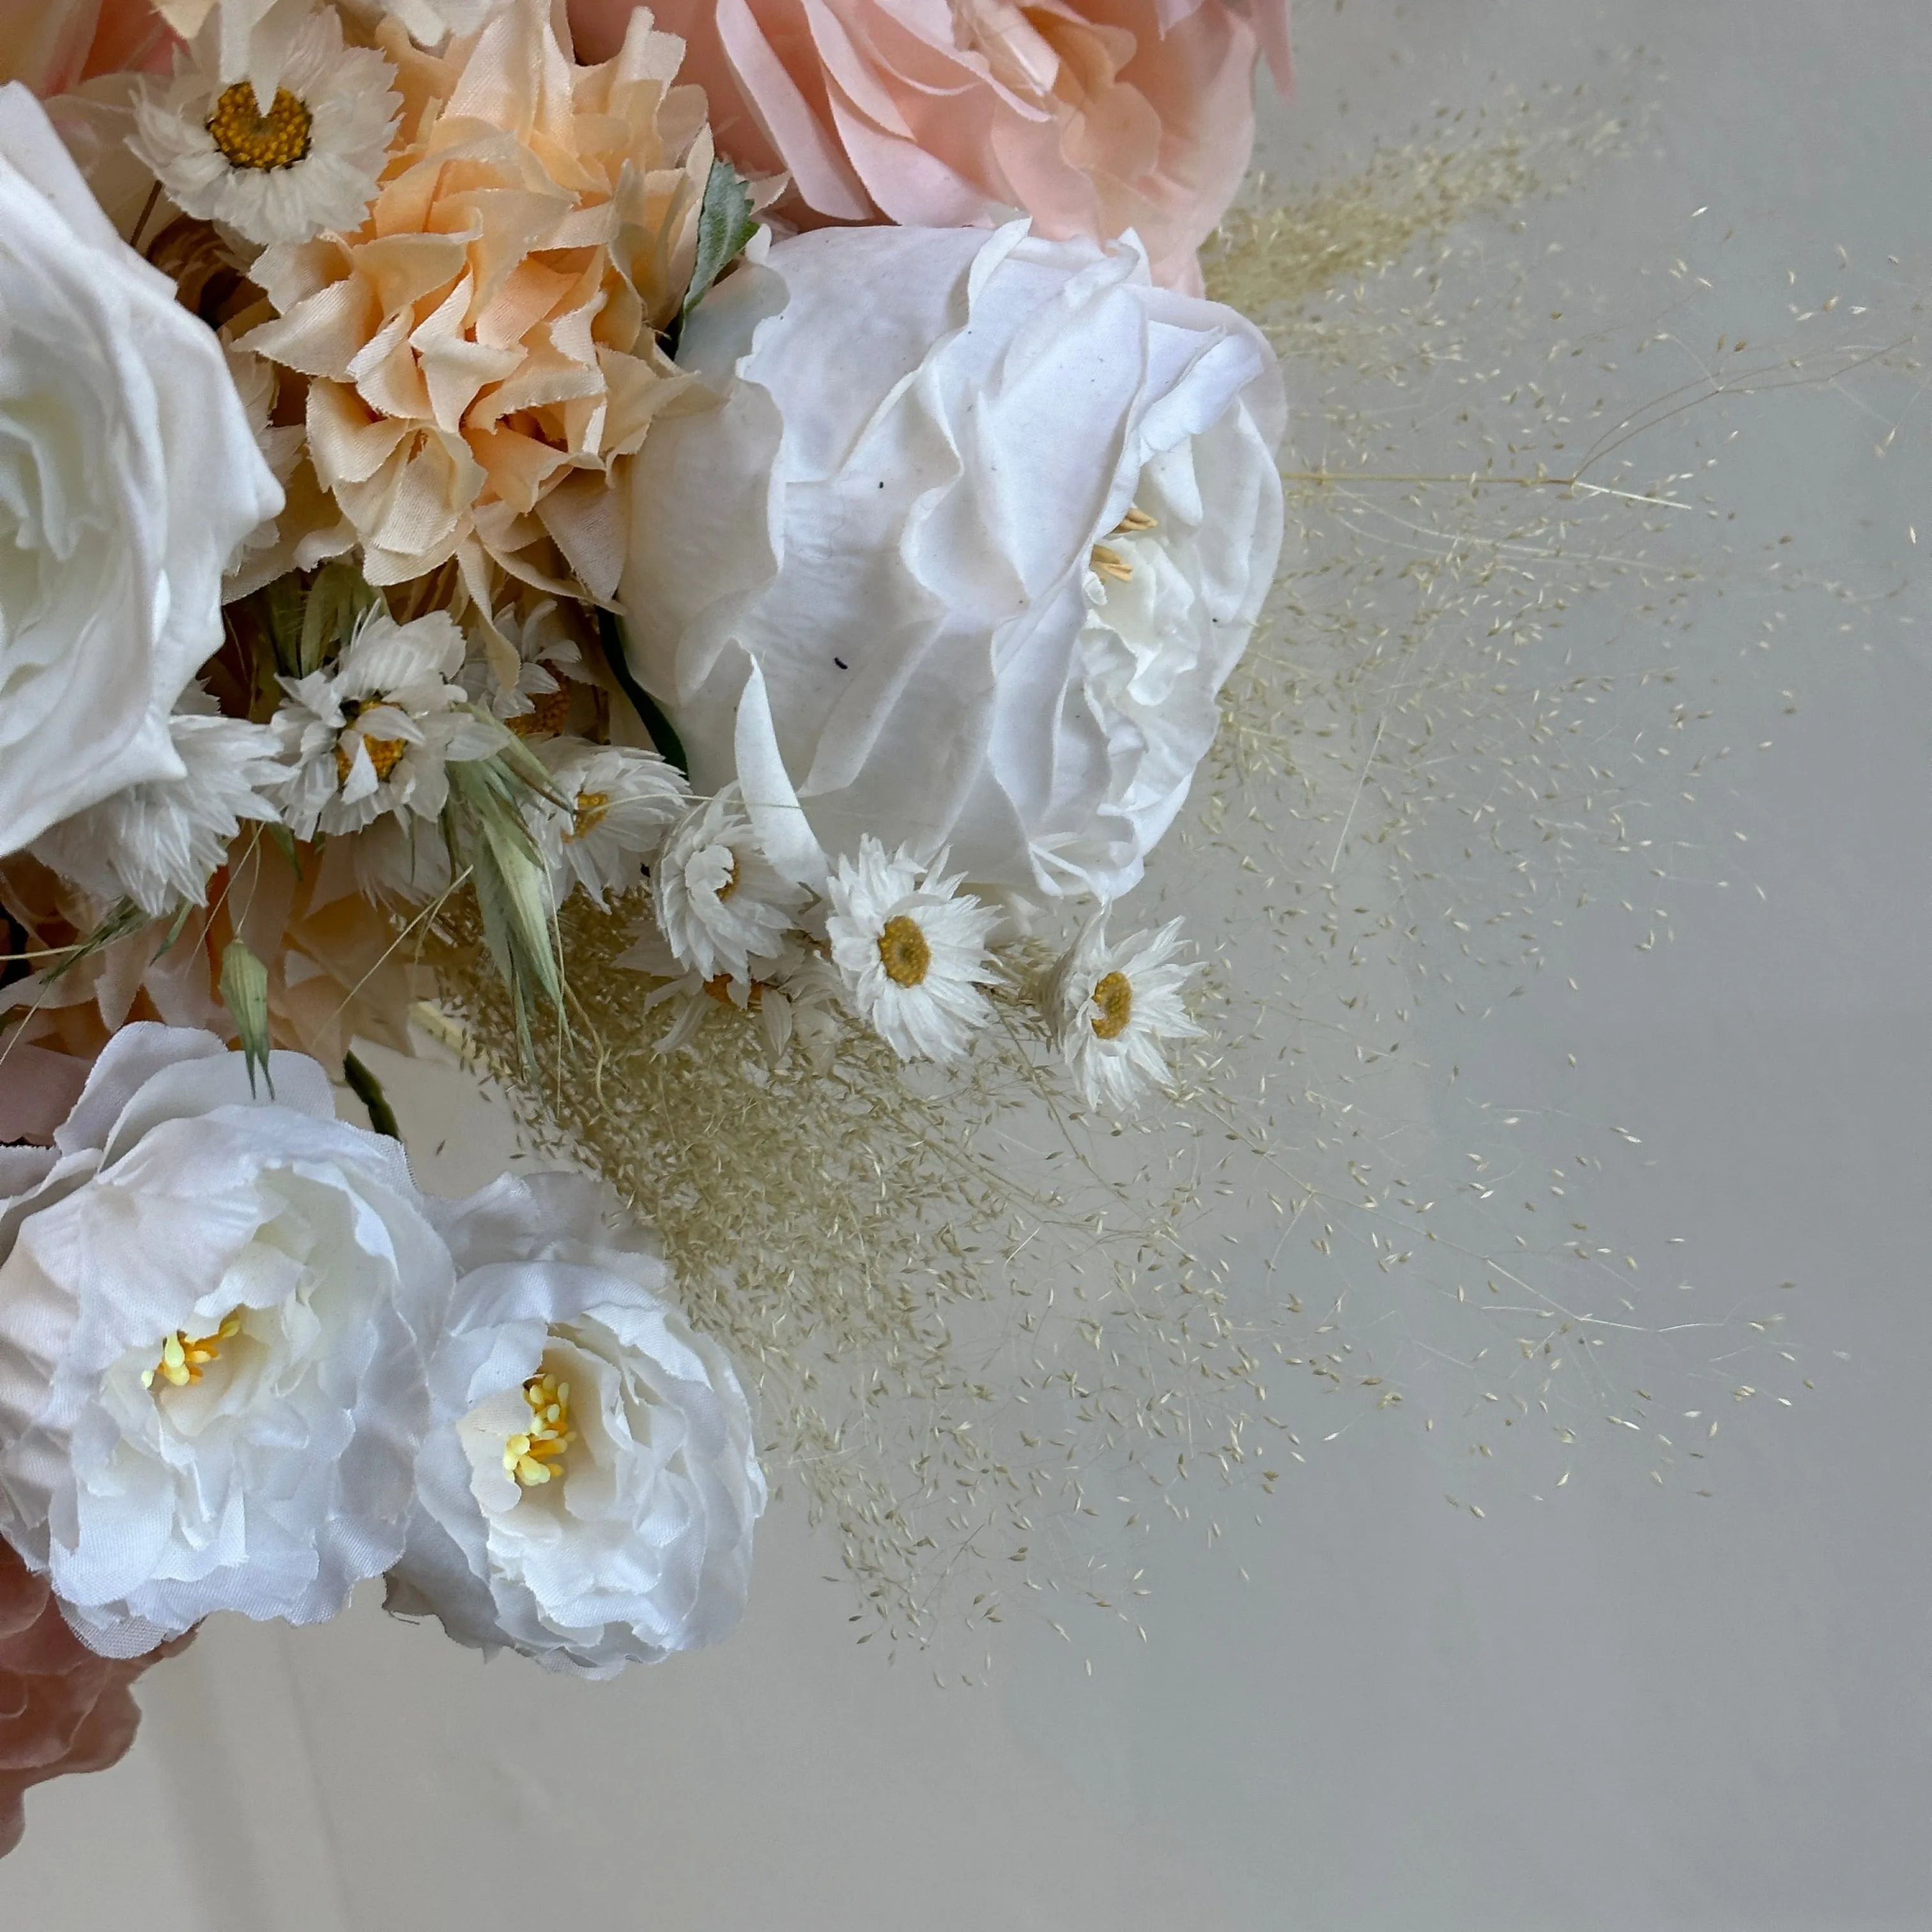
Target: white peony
column 979, row 528
column 216, row 1314
column 127, row 474
column 588, row 1493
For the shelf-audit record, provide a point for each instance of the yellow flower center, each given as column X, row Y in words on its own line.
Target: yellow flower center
column 592, row 808
column 183, row 1357
column 903, row 952
column 548, row 715
column 1114, row 998
column 247, row 138
column 730, row 884
column 537, row 1455
column 385, row 754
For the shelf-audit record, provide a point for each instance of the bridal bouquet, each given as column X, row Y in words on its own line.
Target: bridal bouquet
column 760, row 486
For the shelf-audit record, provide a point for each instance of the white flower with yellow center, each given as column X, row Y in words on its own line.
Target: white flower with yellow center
column 1115, row 1008
column 587, row 1491
column 911, row 950
column 537, row 703
column 304, row 163
column 619, row 805
column 719, row 903
column 372, row 733
column 159, row 842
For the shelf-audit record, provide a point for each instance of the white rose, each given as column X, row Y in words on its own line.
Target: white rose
column 979, row 529
column 587, row 1495
column 127, row 474
column 215, row 1319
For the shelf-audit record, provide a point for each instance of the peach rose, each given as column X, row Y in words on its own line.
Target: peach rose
column 54, row 45
column 62, row 1708
column 1094, row 116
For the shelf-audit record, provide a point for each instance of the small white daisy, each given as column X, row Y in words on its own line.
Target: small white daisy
column 797, row 1004
column 621, row 804
column 159, row 842
column 548, row 661
column 306, row 164
column 371, row 733
column 909, row 948
column 719, row 903
column 1113, row 1008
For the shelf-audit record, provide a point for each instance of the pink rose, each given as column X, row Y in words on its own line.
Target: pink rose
column 54, row 45
column 1094, row 116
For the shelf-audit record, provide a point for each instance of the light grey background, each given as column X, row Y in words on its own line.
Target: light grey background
column 1635, row 1708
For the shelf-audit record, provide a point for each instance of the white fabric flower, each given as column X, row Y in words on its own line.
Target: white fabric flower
column 371, row 733
column 1115, row 1008
column 910, row 950
column 158, row 842
column 865, row 583
column 306, row 164
column 127, row 474
column 719, row 903
column 215, row 1319
column 587, row 1494
column 621, row 804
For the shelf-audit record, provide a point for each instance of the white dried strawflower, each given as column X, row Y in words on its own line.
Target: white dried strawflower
column 910, row 949
column 719, row 903
column 1115, row 1008
column 619, row 806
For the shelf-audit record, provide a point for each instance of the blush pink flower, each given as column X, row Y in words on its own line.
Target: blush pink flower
column 62, row 1709
column 1093, row 116
column 54, row 45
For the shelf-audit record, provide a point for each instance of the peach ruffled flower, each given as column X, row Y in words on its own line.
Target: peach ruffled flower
column 55, row 45
column 1093, row 116
column 62, row 1709
column 482, row 353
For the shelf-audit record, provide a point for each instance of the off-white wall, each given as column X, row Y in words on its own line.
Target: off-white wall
column 1636, row 1710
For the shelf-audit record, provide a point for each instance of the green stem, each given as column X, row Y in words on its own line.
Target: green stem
column 368, row 1090
column 664, row 734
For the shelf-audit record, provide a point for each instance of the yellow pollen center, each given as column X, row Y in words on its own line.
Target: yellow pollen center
column 730, row 884
column 547, row 716
column 1135, row 522
column 1109, row 563
column 593, row 808
column 1115, row 998
column 183, row 1357
column 385, row 754
column 537, row 1455
column 249, row 138
column 903, row 952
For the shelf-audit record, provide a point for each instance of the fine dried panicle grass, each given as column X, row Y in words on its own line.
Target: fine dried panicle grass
column 992, row 1337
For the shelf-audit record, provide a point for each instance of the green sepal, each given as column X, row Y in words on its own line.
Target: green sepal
column 725, row 224
column 244, row 992
column 368, row 1090
column 664, row 734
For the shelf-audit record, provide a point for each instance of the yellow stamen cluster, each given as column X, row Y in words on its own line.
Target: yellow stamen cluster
column 537, row 1455
column 592, row 808
column 1115, row 998
column 183, row 1357
column 247, row 138
column 385, row 754
column 903, row 952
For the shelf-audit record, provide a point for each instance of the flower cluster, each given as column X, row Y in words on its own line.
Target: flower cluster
column 591, row 463
column 281, row 1370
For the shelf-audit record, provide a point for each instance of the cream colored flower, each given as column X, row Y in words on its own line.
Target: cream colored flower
column 305, row 164
column 1115, row 1008
column 719, row 905
column 621, row 803
column 372, row 733
column 158, row 842
column 910, row 949
column 484, row 351
column 548, row 662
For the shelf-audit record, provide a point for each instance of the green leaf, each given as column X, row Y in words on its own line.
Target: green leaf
column 244, row 992
column 126, row 917
column 285, row 844
column 283, row 606
column 725, row 222
column 338, row 600
column 368, row 1090
column 176, row 926
column 664, row 734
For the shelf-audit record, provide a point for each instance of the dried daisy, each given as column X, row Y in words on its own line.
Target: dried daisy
column 719, row 903
column 910, row 948
column 305, row 165
column 1115, row 1008
column 621, row 803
